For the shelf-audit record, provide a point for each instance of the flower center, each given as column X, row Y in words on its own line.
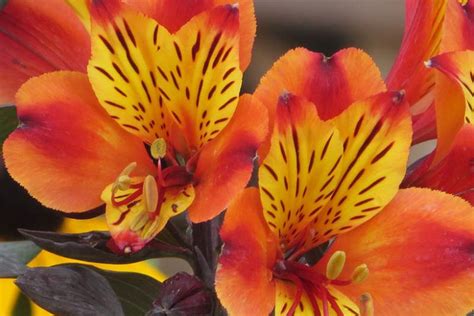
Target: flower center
column 149, row 192
column 315, row 285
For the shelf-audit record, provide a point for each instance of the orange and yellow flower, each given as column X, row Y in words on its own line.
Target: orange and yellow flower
column 326, row 177
column 172, row 85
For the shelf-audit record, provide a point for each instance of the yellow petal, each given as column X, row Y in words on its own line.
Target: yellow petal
column 300, row 171
column 123, row 69
column 376, row 136
column 201, row 78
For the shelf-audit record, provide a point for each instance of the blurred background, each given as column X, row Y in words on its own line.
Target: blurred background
column 320, row 25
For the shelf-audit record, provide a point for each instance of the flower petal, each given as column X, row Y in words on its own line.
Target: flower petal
column 421, row 244
column 285, row 297
column 174, row 14
column 202, row 82
column 454, row 173
column 332, row 84
column 123, row 69
column 33, row 39
column 421, row 41
column 82, row 10
column 244, row 276
column 300, row 172
column 454, row 100
column 376, row 134
column 458, row 27
column 132, row 225
column 67, row 149
column 225, row 164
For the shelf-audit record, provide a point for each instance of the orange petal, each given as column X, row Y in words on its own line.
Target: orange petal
column 421, row 245
column 332, row 84
column 285, row 297
column 35, row 39
column 174, row 14
column 244, row 276
column 123, row 69
column 202, row 82
column 82, row 10
column 458, row 27
column 225, row 164
column 300, row 172
column 454, row 100
column 67, row 149
column 376, row 134
column 454, row 173
column 421, row 41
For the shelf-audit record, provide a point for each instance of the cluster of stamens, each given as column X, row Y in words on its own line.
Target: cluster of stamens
column 315, row 285
column 150, row 190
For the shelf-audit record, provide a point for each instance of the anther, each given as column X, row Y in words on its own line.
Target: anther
column 128, row 169
column 360, row 273
column 123, row 182
column 366, row 305
column 158, row 148
column 150, row 194
column 127, row 250
column 335, row 265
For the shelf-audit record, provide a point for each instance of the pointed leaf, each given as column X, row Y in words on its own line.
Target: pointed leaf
column 14, row 255
column 70, row 290
column 92, row 246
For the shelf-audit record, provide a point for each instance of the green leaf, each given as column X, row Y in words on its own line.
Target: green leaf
column 92, row 247
column 8, row 119
column 70, row 290
column 77, row 289
column 14, row 255
column 136, row 292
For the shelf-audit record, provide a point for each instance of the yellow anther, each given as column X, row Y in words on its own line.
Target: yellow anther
column 128, row 169
column 158, row 148
column 150, row 194
column 335, row 265
column 123, row 182
column 366, row 305
column 360, row 273
column 139, row 222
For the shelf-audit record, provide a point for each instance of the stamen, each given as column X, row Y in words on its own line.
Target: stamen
column 128, row 169
column 158, row 148
column 335, row 265
column 123, row 182
column 127, row 249
column 360, row 274
column 367, row 305
column 150, row 194
column 139, row 222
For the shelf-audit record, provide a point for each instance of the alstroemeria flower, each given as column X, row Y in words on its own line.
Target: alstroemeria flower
column 450, row 167
column 34, row 37
column 431, row 28
column 176, row 92
column 319, row 179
